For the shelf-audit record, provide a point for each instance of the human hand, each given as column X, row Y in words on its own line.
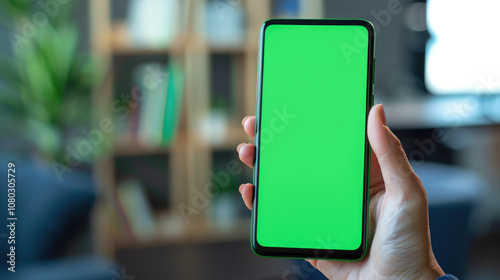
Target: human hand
column 399, row 223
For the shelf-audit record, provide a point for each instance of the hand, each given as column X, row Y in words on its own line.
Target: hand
column 401, row 246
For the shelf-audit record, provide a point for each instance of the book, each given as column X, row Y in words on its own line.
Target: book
column 121, row 216
column 154, row 86
column 173, row 103
column 160, row 105
column 137, row 210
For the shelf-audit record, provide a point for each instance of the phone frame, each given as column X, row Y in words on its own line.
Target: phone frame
column 301, row 252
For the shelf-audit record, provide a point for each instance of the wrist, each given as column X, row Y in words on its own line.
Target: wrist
column 432, row 272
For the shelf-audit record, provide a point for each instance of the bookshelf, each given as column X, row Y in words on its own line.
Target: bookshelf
column 219, row 84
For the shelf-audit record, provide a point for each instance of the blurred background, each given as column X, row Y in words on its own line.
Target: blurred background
column 123, row 116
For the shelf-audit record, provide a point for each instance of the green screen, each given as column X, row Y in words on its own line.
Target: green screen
column 312, row 136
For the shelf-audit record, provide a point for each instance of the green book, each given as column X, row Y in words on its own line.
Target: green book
column 175, row 89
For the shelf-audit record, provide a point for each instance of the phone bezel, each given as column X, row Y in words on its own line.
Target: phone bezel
column 301, row 252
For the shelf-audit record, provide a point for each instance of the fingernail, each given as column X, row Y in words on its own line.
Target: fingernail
column 382, row 114
column 239, row 147
column 244, row 120
column 241, row 186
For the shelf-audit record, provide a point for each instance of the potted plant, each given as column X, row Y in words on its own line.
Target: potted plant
column 45, row 81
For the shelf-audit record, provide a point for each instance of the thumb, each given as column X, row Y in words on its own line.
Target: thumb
column 396, row 170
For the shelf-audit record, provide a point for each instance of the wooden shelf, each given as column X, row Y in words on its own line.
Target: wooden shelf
column 234, row 136
column 191, row 155
column 121, row 43
column 227, row 50
column 198, row 232
column 135, row 149
column 125, row 145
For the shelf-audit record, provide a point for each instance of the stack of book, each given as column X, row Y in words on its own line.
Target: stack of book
column 155, row 104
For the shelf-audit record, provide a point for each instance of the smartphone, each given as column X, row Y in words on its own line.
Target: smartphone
column 311, row 175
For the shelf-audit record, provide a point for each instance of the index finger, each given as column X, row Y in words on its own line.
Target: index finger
column 249, row 125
